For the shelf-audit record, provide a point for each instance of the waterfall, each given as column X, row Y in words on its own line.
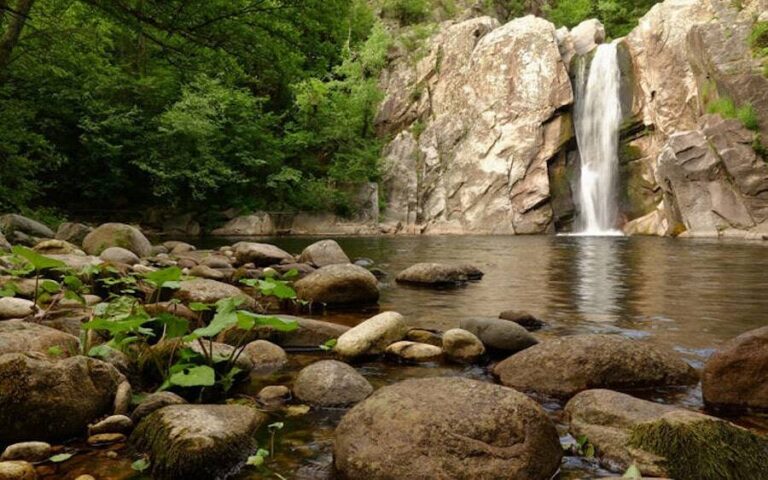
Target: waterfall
column 597, row 120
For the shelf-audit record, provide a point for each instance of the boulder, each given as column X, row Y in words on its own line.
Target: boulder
column 662, row 440
column 73, row 232
column 261, row 254
column 5, row 246
column 27, row 451
column 322, row 253
column 338, row 285
column 77, row 262
column 265, row 356
column 372, row 336
column 111, row 424
column 184, row 224
column 414, row 351
column 462, row 345
column 12, row 222
column 421, row 335
column 55, row 400
column 433, row 275
column 524, row 319
column 204, row 290
column 330, row 383
column 499, row 335
column 11, row 307
column 17, row 470
column 274, row 395
column 736, row 376
column 18, row 336
column 247, row 226
column 155, row 401
column 587, row 36
column 204, row 271
column 117, row 235
column 197, row 442
column 56, row 247
column 102, row 439
column 565, row 366
column 119, row 255
column 176, row 247
column 310, row 333
column 448, row 427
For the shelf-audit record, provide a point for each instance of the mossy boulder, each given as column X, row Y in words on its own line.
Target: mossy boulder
column 198, row 442
column 18, row 336
column 664, row 441
column 117, row 235
column 55, row 400
column 565, row 366
column 447, row 427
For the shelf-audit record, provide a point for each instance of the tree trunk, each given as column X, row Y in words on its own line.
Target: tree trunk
column 13, row 29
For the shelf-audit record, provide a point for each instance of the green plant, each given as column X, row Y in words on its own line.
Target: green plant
column 407, row 12
column 758, row 40
column 726, row 108
column 39, row 263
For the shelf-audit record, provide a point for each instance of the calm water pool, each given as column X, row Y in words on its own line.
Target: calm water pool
column 690, row 295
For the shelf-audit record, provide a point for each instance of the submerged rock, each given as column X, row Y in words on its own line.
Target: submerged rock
column 499, row 335
column 736, row 376
column 45, row 400
column 197, row 442
column 330, row 383
column 447, row 428
column 662, row 440
column 274, row 395
column 372, row 336
column 462, row 345
column 117, row 235
column 568, row 365
column 324, row 252
column 436, row 274
column 265, row 356
column 339, row 285
column 524, row 319
column 18, row 336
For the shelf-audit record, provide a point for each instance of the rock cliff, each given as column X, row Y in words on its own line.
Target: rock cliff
column 482, row 139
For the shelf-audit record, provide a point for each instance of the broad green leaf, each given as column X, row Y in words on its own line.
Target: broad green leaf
column 328, row 345
column 72, row 295
column 39, row 262
column 199, row 307
column 8, row 290
column 129, row 324
column 62, row 457
column 200, row 376
column 72, row 282
column 160, row 278
column 100, row 351
column 49, row 286
column 290, row 274
column 280, row 324
column 174, row 326
column 55, row 351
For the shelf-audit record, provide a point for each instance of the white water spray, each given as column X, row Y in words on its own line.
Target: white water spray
column 597, row 120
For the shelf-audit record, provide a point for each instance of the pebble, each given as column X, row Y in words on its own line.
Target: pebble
column 106, row 439
column 112, row 424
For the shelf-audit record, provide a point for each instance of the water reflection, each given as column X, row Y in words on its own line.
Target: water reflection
column 599, row 291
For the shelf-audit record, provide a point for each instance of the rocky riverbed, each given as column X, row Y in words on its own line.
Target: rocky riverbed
column 123, row 358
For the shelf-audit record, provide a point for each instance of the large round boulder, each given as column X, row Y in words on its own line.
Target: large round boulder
column 197, row 442
column 261, row 254
column 499, row 335
column 736, row 377
column 324, row 252
column 73, row 232
column 18, row 336
column 119, row 255
column 447, row 427
column 372, row 336
column 663, row 440
column 565, row 366
column 330, row 383
column 339, row 285
column 437, row 274
column 462, row 345
column 117, row 235
column 54, row 400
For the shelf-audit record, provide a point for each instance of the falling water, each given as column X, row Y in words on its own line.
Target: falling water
column 598, row 115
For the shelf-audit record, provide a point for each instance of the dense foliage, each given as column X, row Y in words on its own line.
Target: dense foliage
column 246, row 103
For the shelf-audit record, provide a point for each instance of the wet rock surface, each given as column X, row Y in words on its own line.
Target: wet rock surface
column 330, row 383
column 339, row 285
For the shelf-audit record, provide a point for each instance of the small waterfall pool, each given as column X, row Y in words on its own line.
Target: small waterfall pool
column 597, row 120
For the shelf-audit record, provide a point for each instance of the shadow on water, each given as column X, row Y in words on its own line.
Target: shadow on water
column 690, row 295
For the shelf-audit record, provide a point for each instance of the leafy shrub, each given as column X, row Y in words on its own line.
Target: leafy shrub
column 407, row 12
column 758, row 39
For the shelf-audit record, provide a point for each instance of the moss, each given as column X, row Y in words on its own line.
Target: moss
column 703, row 448
column 758, row 40
column 727, row 108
